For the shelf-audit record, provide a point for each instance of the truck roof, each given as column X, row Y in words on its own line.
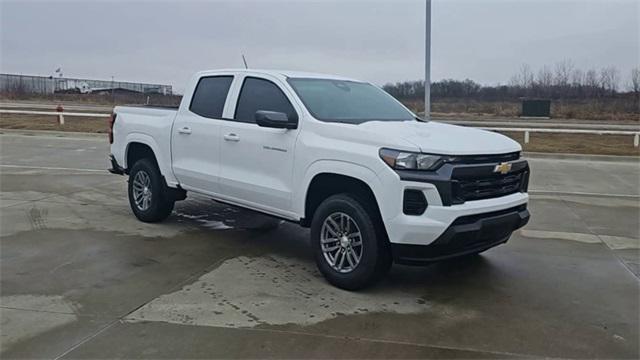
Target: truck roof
column 284, row 74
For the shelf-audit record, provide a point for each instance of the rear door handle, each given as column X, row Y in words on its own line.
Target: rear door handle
column 185, row 130
column 232, row 137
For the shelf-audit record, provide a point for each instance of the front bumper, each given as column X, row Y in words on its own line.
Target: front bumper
column 465, row 188
column 466, row 235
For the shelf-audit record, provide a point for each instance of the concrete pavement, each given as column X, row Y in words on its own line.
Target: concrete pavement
column 81, row 278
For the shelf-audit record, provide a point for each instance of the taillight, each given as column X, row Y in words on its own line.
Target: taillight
column 112, row 121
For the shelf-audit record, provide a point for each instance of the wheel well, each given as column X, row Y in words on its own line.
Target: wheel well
column 137, row 151
column 327, row 184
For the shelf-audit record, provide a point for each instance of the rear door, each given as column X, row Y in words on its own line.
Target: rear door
column 257, row 162
column 195, row 145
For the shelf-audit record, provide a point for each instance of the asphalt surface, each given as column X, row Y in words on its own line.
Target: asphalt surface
column 81, row 278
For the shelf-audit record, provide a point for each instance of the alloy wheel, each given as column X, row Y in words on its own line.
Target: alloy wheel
column 341, row 242
column 142, row 190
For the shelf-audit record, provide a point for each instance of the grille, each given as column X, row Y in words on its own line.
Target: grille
column 488, row 187
column 485, row 159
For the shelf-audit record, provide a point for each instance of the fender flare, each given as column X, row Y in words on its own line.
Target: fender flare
column 163, row 163
column 338, row 167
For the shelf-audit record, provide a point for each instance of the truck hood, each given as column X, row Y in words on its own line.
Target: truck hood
column 438, row 138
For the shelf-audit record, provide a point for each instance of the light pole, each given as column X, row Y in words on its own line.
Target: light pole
column 427, row 64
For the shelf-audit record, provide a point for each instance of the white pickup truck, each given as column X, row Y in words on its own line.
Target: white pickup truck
column 374, row 183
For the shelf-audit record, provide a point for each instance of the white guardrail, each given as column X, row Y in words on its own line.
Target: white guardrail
column 527, row 131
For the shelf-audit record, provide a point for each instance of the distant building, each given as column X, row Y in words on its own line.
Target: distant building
column 51, row 85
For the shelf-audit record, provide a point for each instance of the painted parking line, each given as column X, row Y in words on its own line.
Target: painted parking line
column 580, row 193
column 51, row 168
column 613, row 242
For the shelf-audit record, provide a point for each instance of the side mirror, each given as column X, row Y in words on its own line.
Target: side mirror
column 274, row 119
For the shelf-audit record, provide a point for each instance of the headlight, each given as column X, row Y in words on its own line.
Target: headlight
column 401, row 160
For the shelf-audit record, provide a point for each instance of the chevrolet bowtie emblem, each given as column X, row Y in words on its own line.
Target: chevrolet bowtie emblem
column 502, row 168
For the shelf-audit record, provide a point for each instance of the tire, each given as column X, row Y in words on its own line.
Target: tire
column 341, row 267
column 145, row 175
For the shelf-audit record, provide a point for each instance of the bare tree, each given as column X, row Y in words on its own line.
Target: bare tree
column 591, row 78
column 522, row 83
column 527, row 75
column 577, row 78
column 615, row 79
column 560, row 81
column 591, row 82
column 515, row 81
column 635, row 81
column 545, row 79
column 609, row 79
column 563, row 71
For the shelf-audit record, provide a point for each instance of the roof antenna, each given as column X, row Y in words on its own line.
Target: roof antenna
column 245, row 62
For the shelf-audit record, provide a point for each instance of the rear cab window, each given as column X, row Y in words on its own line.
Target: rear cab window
column 261, row 94
column 210, row 96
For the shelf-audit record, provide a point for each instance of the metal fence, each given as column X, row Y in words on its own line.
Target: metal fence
column 50, row 85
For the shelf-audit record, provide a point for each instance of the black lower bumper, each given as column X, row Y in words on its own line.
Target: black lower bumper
column 466, row 235
column 115, row 168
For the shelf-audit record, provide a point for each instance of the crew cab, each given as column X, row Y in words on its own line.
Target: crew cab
column 375, row 183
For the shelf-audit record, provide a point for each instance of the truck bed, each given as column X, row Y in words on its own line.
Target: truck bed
column 146, row 125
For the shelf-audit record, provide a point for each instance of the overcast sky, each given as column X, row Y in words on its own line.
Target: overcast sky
column 378, row 41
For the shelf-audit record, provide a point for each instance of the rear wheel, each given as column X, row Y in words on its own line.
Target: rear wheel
column 350, row 246
column 148, row 195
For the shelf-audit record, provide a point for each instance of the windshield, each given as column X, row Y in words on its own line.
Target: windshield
column 348, row 101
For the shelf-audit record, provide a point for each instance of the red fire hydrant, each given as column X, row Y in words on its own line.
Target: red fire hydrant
column 60, row 109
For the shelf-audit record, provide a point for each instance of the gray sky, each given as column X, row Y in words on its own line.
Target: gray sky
column 378, row 41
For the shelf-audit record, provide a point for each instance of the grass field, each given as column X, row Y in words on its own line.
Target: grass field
column 604, row 110
column 94, row 99
column 577, row 143
column 539, row 142
column 39, row 122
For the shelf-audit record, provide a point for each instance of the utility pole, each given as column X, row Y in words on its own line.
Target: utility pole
column 427, row 63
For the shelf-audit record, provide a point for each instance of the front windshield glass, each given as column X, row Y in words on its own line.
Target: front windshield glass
column 348, row 101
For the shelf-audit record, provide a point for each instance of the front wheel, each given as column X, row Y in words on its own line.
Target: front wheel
column 147, row 192
column 350, row 246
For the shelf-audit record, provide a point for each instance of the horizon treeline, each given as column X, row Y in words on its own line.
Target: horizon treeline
column 561, row 81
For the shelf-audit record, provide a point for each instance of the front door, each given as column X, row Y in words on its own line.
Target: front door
column 257, row 162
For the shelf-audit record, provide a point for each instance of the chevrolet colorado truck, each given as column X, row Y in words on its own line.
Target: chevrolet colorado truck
column 374, row 183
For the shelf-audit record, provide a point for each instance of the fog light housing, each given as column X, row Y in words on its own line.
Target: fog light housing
column 414, row 202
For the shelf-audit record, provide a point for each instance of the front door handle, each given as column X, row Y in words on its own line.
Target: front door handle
column 232, row 137
column 185, row 130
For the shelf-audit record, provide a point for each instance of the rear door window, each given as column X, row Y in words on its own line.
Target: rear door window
column 260, row 94
column 210, row 95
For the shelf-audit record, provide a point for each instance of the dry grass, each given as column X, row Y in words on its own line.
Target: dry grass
column 577, row 143
column 539, row 142
column 39, row 122
column 95, row 99
column 606, row 110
